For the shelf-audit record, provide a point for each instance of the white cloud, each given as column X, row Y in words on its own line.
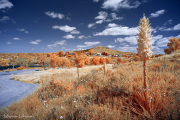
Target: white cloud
column 36, row 42
column 88, row 44
column 117, row 4
column 23, row 30
column 102, row 15
column 54, row 15
column 9, row 43
column 65, row 28
column 128, row 49
column 114, row 30
column 175, row 28
column 83, row 37
column 111, row 46
column 91, row 25
column 155, row 38
column 178, row 36
column 75, row 32
column 114, row 16
column 51, row 46
column 157, row 13
column 5, row 4
column 16, row 38
column 96, row 0
column 69, row 37
column 99, row 22
column 110, row 25
column 131, row 39
column 4, row 19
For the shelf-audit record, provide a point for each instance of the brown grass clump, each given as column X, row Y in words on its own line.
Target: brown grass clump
column 117, row 95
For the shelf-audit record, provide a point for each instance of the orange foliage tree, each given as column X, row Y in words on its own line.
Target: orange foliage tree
column 79, row 60
column 86, row 60
column 102, row 60
column 4, row 62
column 67, row 53
column 108, row 60
column 90, row 51
column 173, row 45
column 95, row 60
column 61, row 53
column 119, row 60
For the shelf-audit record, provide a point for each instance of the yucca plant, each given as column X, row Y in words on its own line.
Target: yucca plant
column 144, row 44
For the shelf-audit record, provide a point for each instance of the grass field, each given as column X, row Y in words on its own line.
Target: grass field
column 116, row 94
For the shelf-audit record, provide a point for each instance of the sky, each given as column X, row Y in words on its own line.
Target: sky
column 54, row 25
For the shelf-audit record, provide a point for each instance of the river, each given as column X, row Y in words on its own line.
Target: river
column 12, row 90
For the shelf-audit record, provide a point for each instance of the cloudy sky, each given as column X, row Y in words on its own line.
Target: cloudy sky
column 52, row 25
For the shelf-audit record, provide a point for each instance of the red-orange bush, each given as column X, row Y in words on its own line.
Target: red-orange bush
column 21, row 68
column 108, row 60
column 119, row 60
column 102, row 60
column 95, row 60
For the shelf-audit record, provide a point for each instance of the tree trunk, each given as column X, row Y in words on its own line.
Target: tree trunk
column 78, row 69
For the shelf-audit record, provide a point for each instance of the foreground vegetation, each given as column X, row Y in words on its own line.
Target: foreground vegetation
column 117, row 94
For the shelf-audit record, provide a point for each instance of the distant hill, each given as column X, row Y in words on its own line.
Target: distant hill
column 100, row 49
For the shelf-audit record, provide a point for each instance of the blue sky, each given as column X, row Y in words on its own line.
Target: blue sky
column 52, row 25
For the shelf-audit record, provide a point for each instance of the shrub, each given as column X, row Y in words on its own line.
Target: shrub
column 119, row 60
column 108, row 60
column 21, row 68
column 95, row 60
column 102, row 60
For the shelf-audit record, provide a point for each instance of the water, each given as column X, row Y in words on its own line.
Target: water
column 12, row 90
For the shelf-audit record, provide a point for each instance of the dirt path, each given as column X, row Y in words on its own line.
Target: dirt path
column 35, row 77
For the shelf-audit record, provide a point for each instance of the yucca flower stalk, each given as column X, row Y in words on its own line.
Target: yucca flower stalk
column 144, row 44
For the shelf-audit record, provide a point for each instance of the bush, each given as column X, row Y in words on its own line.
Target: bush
column 21, row 68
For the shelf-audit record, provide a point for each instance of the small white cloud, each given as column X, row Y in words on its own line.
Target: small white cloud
column 88, row 44
column 23, row 30
column 175, row 28
column 117, row 30
column 65, row 28
column 157, row 13
column 131, row 39
column 83, row 37
column 128, row 49
column 51, row 46
column 114, row 16
column 111, row 25
column 54, row 15
column 69, row 37
column 102, row 15
column 99, row 22
column 9, row 43
column 36, row 42
column 4, row 19
column 111, row 46
column 91, row 25
column 96, row 0
column 117, row 4
column 75, row 32
column 16, row 38
column 5, row 4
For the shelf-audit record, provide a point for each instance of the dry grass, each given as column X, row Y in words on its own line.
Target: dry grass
column 116, row 95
